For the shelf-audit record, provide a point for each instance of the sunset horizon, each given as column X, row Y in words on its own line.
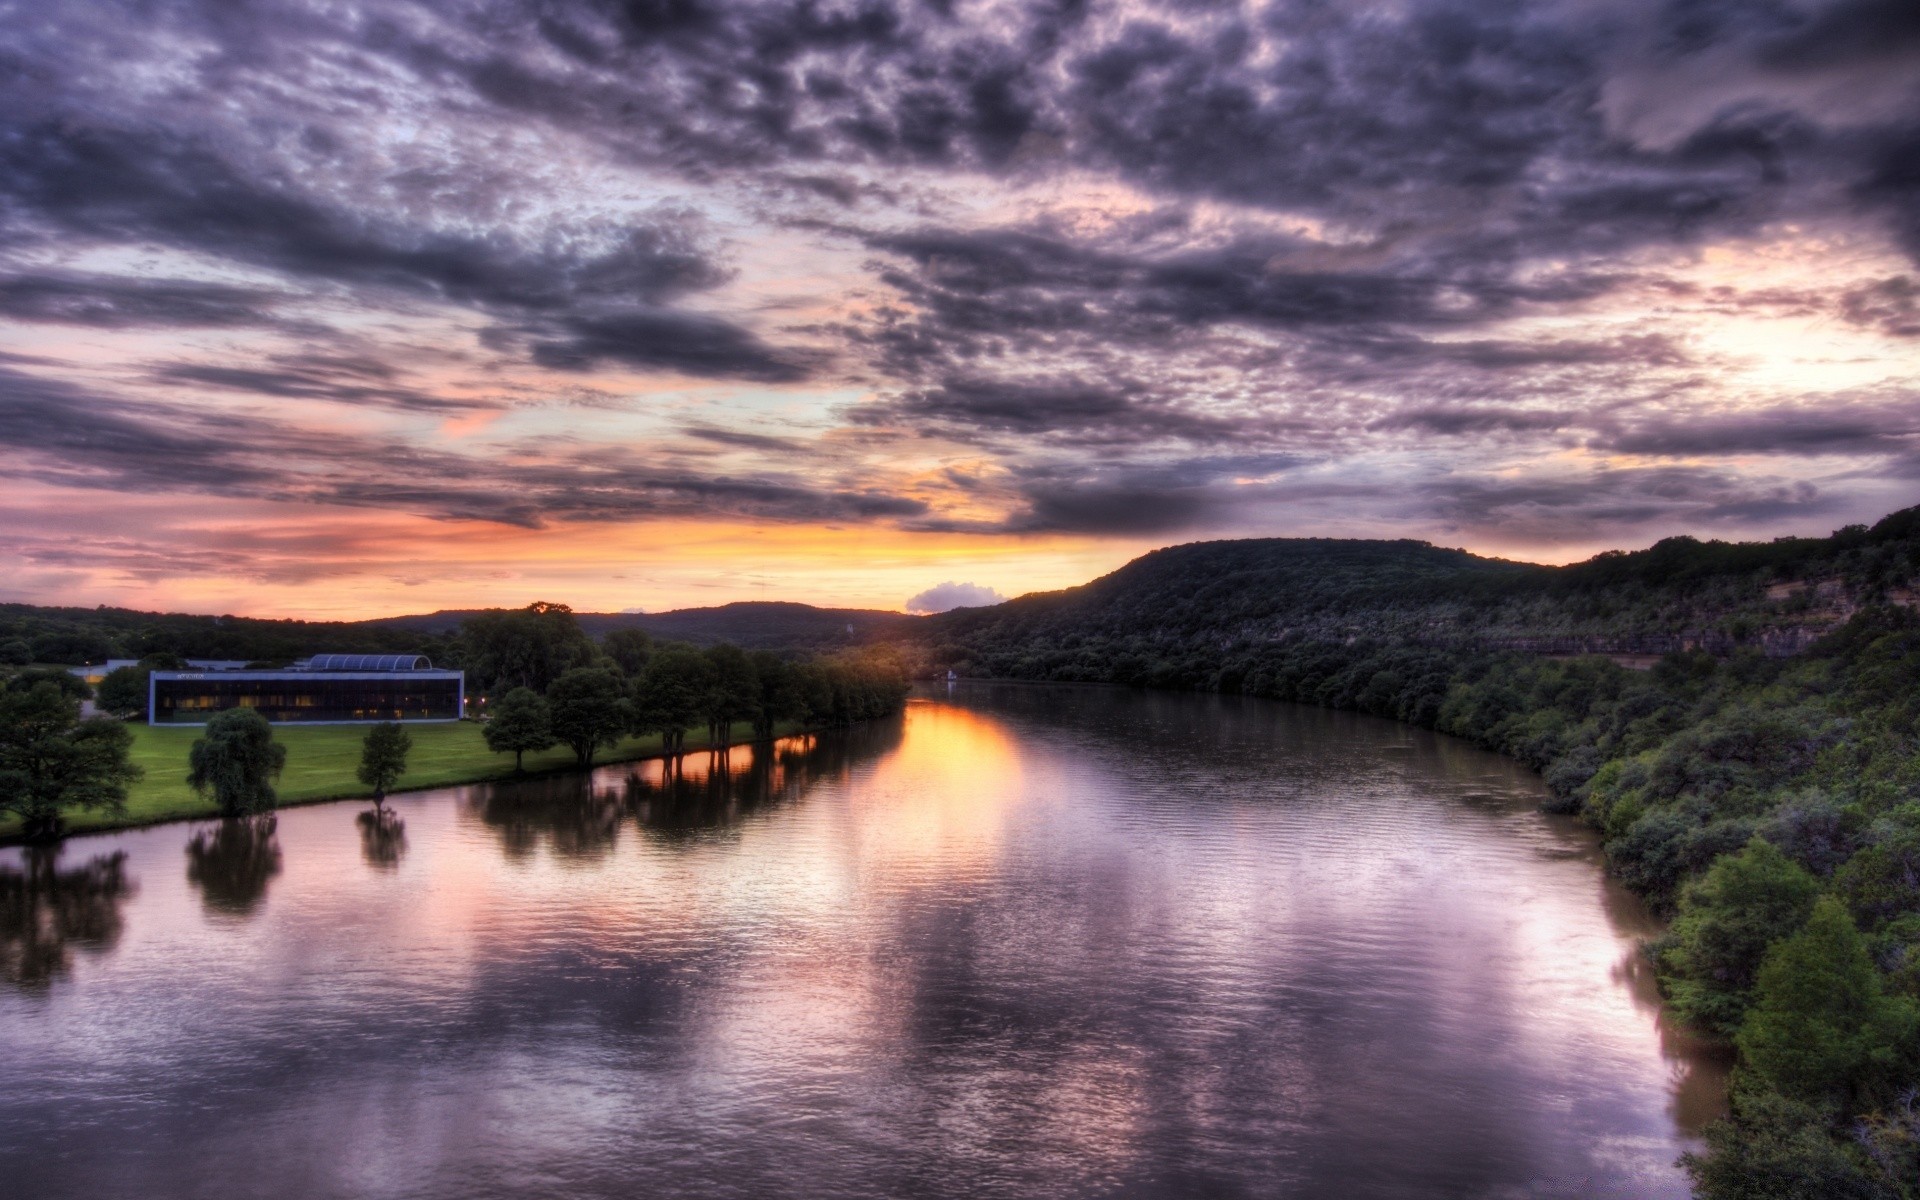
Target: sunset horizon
column 318, row 310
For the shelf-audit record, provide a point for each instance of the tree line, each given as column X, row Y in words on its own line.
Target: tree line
column 1769, row 806
column 674, row 689
column 538, row 680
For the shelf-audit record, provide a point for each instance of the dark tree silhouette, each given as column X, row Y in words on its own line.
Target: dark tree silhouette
column 233, row 863
column 47, row 913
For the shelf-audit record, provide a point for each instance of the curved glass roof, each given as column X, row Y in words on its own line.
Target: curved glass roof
column 369, row 662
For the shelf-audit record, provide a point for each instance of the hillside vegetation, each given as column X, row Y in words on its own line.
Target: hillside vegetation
column 1761, row 783
column 1211, row 615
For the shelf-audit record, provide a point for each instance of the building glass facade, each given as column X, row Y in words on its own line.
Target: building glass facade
column 192, row 697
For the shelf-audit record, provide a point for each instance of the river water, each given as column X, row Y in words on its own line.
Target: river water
column 1021, row 942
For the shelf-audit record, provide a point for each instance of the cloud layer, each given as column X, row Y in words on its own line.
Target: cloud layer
column 944, row 597
column 1537, row 278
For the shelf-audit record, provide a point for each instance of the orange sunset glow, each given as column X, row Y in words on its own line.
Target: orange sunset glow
column 275, row 343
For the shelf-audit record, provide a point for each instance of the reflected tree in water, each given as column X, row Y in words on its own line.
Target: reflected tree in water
column 47, row 913
column 383, row 837
column 233, row 863
column 671, row 801
column 581, row 822
column 578, row 821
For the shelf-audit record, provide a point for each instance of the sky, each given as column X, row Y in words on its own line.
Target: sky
column 333, row 309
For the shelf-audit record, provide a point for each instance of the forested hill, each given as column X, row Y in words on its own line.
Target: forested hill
column 32, row 633
column 1199, row 615
column 752, row 625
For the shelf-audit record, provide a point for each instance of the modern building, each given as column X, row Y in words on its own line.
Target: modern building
column 327, row 689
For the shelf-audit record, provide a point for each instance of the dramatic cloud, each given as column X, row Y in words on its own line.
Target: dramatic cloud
column 942, row 597
column 1536, row 277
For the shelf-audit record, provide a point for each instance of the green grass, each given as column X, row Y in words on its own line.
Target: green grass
column 320, row 764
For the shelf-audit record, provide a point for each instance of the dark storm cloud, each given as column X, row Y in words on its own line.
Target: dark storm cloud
column 1075, row 411
column 1837, row 426
column 115, row 302
column 104, row 186
column 1561, row 507
column 688, row 343
column 351, row 380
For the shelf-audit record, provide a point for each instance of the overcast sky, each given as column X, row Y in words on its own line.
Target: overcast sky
column 359, row 308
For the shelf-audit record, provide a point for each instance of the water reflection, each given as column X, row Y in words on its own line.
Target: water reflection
column 383, row 837
column 233, row 863
column 1031, row 942
column 47, row 913
column 578, row 818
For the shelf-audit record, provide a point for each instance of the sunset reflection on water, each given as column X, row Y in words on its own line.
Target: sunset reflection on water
column 1021, row 941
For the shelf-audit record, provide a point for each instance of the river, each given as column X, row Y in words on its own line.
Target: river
column 1020, row 942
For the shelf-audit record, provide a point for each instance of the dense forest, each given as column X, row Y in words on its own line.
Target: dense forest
column 1760, row 783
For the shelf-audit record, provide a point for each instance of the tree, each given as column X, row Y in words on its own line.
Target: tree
column 1882, row 881
column 781, row 698
column 236, row 761
column 527, row 647
column 65, row 682
column 52, row 761
column 123, row 692
column 383, row 758
column 1744, row 904
column 630, row 649
column 671, row 697
column 588, row 709
column 1775, row 1149
column 1819, row 1013
column 733, row 692
column 518, row 723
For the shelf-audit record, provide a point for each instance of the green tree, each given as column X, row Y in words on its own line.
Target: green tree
column 65, row 682
column 527, row 647
column 733, row 692
column 52, row 761
column 518, row 723
column 124, row 690
column 1775, row 1149
column 236, row 762
column 671, row 697
column 629, row 649
column 1744, row 904
column 588, row 709
column 781, row 697
column 383, row 758
column 1882, row 881
column 1820, row 1020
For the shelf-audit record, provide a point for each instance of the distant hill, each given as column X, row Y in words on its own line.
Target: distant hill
column 78, row 635
column 755, row 625
column 1184, row 615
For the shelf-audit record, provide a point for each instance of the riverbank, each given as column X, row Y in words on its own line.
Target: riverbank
column 321, row 760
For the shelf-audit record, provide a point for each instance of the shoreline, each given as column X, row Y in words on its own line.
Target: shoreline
column 85, row 824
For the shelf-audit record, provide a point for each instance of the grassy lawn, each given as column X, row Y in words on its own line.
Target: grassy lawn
column 320, row 765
